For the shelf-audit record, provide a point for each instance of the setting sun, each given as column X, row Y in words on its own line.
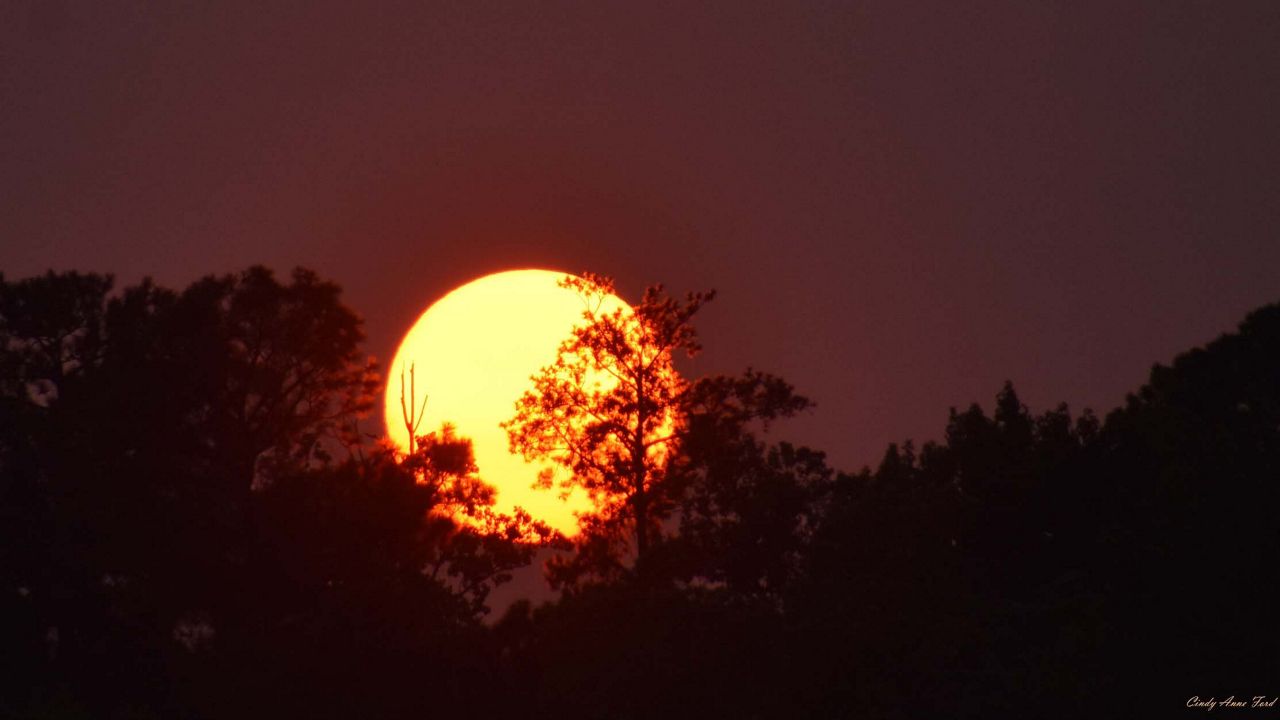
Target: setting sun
column 473, row 352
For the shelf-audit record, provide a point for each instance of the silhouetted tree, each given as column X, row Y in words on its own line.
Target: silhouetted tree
column 613, row 411
column 290, row 367
column 748, row 507
column 181, row 534
column 178, row 538
column 608, row 410
column 1194, row 459
column 50, row 339
column 956, row 578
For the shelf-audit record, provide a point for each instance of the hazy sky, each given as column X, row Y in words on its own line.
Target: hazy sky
column 901, row 204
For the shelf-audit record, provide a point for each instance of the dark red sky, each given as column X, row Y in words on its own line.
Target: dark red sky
column 902, row 205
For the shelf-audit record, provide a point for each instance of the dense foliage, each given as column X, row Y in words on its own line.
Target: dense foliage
column 191, row 525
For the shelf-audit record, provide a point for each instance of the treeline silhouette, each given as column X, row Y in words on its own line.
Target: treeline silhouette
column 193, row 525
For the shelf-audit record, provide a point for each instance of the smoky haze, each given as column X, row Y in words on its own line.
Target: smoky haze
column 900, row 205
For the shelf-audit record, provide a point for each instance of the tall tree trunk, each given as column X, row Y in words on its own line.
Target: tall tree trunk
column 640, row 501
column 640, row 505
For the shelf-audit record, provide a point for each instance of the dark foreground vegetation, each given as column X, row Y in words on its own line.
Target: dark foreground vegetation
column 192, row 525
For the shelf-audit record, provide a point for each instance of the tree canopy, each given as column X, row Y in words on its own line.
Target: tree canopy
column 192, row 525
column 613, row 411
column 181, row 471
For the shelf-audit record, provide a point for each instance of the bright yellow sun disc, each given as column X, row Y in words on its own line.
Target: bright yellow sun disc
column 474, row 352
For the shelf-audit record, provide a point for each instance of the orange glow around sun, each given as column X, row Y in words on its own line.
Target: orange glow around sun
column 474, row 351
